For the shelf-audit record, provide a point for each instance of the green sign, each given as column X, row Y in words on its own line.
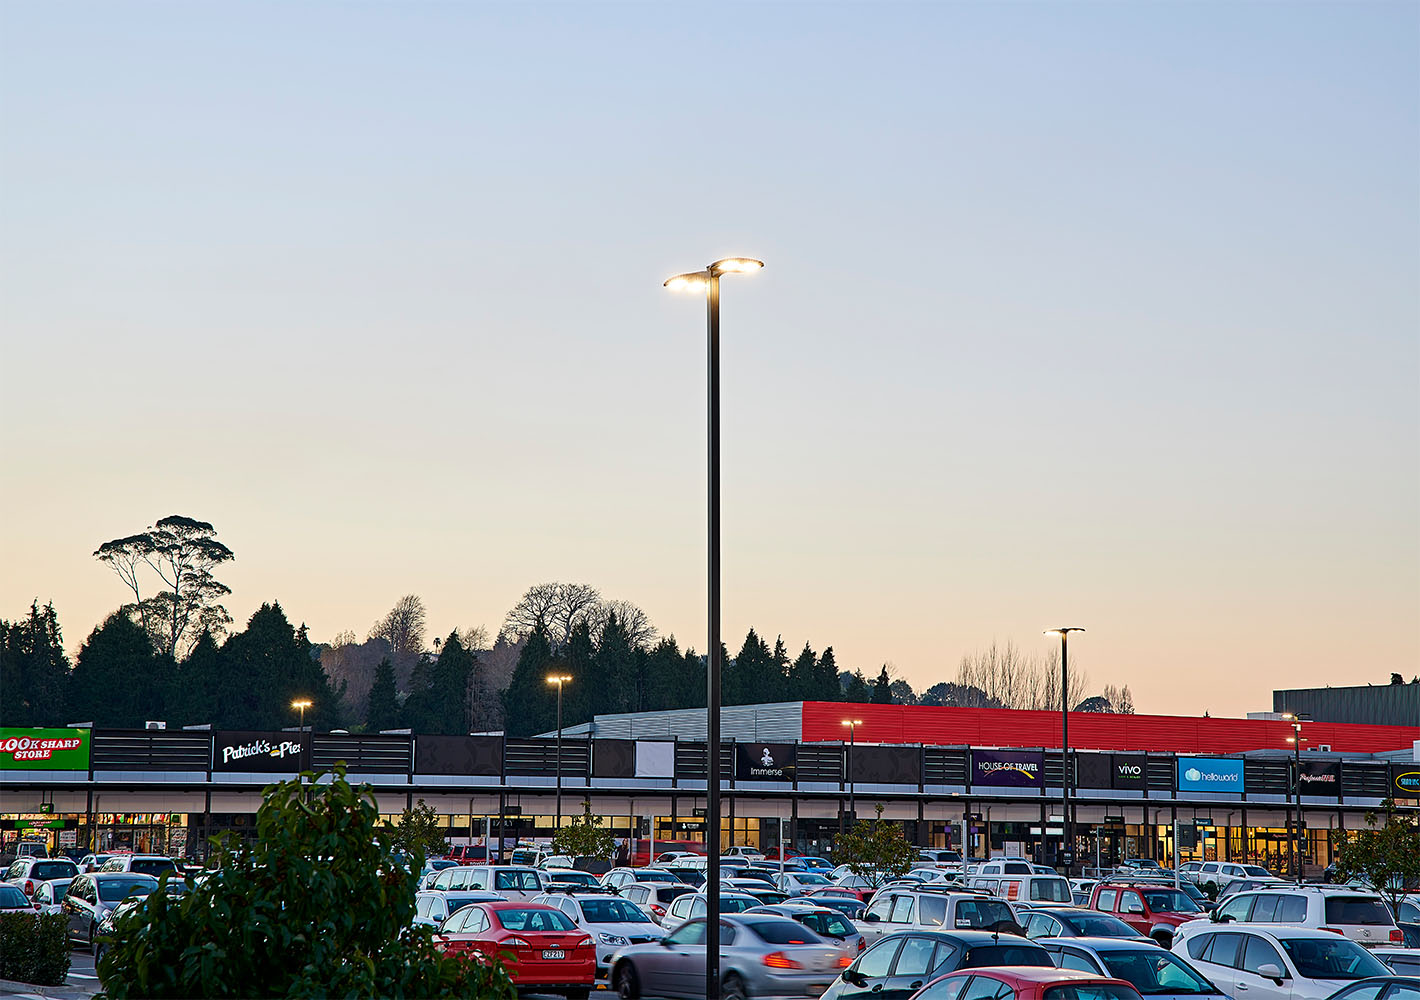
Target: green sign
column 36, row 824
column 44, row 749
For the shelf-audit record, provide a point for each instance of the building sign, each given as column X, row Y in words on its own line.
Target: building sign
column 1130, row 771
column 1210, row 774
column 765, row 761
column 278, row 753
column 1320, row 777
column 1405, row 780
column 44, row 749
column 1092, row 770
column 1007, row 768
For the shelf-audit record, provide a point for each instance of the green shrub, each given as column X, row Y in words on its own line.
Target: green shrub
column 34, row 948
column 313, row 907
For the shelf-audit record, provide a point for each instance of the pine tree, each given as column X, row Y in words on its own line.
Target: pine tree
column 382, row 711
column 616, row 667
column 526, row 701
column 421, row 709
column 827, row 686
column 586, row 694
column 200, row 680
column 118, row 681
column 857, row 689
column 266, row 667
column 35, row 669
column 882, row 688
column 745, row 679
column 451, row 675
column 801, row 685
column 776, row 680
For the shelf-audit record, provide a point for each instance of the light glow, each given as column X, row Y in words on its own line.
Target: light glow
column 691, row 281
column 558, row 679
column 737, row 265
column 301, row 703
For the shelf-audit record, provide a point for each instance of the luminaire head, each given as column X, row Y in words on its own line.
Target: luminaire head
column 301, row 703
column 558, row 679
column 693, row 281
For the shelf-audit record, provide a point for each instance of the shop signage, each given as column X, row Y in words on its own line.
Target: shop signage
column 1405, row 780
column 1210, row 774
column 44, row 749
column 1007, row 768
column 1129, row 771
column 765, row 761
column 257, row 752
column 1092, row 770
column 68, row 838
column 1320, row 777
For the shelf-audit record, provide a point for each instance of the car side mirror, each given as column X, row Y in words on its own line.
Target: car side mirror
column 1270, row 971
column 664, row 942
column 856, row 978
column 872, row 918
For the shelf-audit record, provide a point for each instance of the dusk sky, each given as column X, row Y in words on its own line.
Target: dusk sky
column 1095, row 314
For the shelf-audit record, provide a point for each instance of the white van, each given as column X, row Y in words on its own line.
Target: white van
column 515, row 882
column 1023, row 887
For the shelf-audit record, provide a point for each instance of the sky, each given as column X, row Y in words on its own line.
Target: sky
column 1096, row 314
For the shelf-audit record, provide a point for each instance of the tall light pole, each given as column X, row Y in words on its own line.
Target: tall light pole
column 709, row 279
column 560, row 680
column 300, row 705
column 852, row 725
column 1296, row 739
column 1068, row 846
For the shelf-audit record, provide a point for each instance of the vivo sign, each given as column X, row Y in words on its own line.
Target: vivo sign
column 1210, row 774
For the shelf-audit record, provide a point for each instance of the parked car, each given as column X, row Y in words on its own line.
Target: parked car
column 1363, row 917
column 541, row 948
column 1189, row 870
column 1027, row 984
column 1150, row 970
column 1262, row 962
column 93, row 862
column 144, row 864
column 1152, row 910
column 515, row 882
column 654, row 897
column 28, row 873
column 824, row 922
column 813, row 863
column 933, row 909
column 760, row 956
column 1028, row 886
column 464, row 853
column 618, row 877
column 14, row 900
column 767, row 894
column 1381, row 988
column 612, row 922
column 850, row 906
column 1068, row 922
column 692, row 905
column 800, row 882
column 899, row 964
column 48, row 895
column 1401, row 961
column 1214, row 876
column 91, row 896
column 432, row 907
column 743, row 851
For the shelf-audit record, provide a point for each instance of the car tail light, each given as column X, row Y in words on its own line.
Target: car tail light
column 517, row 942
column 844, row 961
column 779, row 960
column 1397, row 936
column 862, row 943
column 659, row 911
column 29, row 887
column 1335, row 930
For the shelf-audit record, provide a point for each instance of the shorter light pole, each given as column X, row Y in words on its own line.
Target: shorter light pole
column 1296, row 739
column 560, row 680
column 852, row 725
column 300, row 705
column 1068, row 840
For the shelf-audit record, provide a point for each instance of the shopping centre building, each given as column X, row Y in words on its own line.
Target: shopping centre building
column 987, row 778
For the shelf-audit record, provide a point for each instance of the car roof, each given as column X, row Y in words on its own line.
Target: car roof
column 1112, row 943
column 106, row 876
column 1044, row 973
column 1276, row 930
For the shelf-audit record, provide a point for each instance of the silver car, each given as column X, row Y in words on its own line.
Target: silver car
column 1154, row 972
column 48, row 895
column 760, row 956
column 823, row 921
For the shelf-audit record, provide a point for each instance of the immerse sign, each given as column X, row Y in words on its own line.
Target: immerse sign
column 44, row 749
column 257, row 751
column 1008, row 768
column 1210, row 774
column 765, row 761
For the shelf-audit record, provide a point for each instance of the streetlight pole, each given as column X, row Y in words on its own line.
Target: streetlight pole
column 709, row 279
column 1296, row 739
column 1067, row 852
column 300, row 705
column 852, row 725
column 559, row 680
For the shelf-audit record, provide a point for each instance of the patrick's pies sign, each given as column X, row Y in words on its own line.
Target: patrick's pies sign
column 256, row 751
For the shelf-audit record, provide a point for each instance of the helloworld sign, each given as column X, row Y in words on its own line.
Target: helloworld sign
column 44, row 749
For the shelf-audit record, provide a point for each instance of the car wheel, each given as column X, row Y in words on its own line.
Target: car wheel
column 734, row 988
column 624, row 981
column 580, row 994
column 1211, row 888
column 1164, row 940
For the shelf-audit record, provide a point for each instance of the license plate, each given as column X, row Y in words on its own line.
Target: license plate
column 554, row 953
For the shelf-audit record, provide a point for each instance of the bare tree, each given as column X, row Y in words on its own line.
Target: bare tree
column 403, row 627
column 1007, row 677
column 555, row 608
column 475, row 638
column 182, row 552
column 640, row 632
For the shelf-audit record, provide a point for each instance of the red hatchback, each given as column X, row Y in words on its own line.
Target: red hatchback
column 1025, row 983
column 542, row 949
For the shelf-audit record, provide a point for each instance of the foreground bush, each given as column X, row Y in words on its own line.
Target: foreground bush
column 34, row 948
column 313, row 907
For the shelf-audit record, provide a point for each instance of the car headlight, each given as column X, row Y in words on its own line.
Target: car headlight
column 616, row 940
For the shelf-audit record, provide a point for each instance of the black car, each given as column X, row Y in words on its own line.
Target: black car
column 1052, row 922
column 900, row 964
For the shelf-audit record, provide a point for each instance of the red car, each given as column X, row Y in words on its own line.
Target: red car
column 542, row 949
column 1154, row 910
column 1025, row 983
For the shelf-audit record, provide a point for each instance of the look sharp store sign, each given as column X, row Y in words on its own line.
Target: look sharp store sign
column 764, row 761
column 1007, row 768
column 278, row 753
column 44, row 749
column 1210, row 774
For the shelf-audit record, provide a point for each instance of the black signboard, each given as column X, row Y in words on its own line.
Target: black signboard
column 1092, row 770
column 1129, row 771
column 613, row 758
column 764, row 761
column 1007, row 768
column 1320, row 777
column 482, row 755
column 264, row 752
column 1405, row 780
column 885, row 765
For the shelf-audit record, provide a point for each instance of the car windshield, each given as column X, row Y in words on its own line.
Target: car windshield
column 1257, row 871
column 111, row 890
column 1357, row 910
column 534, row 920
column 1051, row 890
column 153, row 866
column 516, row 881
column 46, row 870
column 1097, row 925
column 1331, row 958
column 737, row 904
column 847, row 905
column 1154, row 972
column 1089, row 991
column 829, row 923
column 1171, row 901
column 12, row 898
column 784, row 932
column 982, row 913
column 613, row 911
column 989, row 955
column 811, row 878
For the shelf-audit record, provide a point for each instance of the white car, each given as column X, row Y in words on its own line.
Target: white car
column 432, row 908
column 48, row 895
column 741, row 851
column 614, row 923
column 1267, row 962
column 1361, row 916
column 1219, row 873
column 515, row 882
column 692, row 905
column 797, row 883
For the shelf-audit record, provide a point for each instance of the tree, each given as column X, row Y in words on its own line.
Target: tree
column 1011, row 679
column 634, row 622
column 35, row 668
column 526, row 705
column 403, row 628
column 183, row 553
column 118, row 680
column 1387, row 857
column 382, row 711
column 882, row 688
column 265, row 667
column 418, row 832
column 801, row 684
column 826, row 687
column 452, row 675
column 315, row 906
column 855, row 687
column 902, row 693
column 1397, row 679
column 749, row 676
column 585, row 837
column 875, row 850
column 1118, row 699
column 616, row 669
column 553, row 608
